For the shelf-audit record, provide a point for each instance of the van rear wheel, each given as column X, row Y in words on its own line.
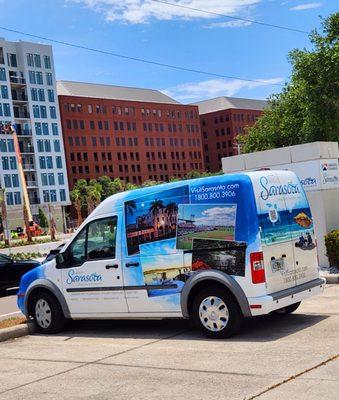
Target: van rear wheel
column 216, row 313
column 287, row 310
column 47, row 313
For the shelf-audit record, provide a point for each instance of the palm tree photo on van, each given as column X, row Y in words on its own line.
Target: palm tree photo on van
column 152, row 218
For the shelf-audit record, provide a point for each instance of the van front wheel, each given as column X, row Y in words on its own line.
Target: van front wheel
column 47, row 313
column 216, row 313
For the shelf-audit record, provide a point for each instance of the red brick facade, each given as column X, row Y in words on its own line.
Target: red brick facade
column 134, row 141
column 219, row 130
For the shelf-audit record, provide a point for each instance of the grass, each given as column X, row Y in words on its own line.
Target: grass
column 7, row 323
column 185, row 242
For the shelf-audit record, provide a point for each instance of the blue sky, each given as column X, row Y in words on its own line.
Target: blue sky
column 167, row 34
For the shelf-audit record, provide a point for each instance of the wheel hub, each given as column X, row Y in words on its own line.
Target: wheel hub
column 43, row 313
column 213, row 313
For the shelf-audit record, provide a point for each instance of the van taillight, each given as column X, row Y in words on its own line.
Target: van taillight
column 257, row 267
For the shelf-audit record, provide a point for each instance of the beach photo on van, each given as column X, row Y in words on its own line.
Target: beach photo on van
column 153, row 217
column 226, row 256
column 205, row 221
column 295, row 225
column 163, row 267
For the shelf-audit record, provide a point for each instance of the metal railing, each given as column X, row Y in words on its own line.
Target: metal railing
column 17, row 79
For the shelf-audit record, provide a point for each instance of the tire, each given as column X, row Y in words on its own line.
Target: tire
column 216, row 313
column 287, row 310
column 47, row 313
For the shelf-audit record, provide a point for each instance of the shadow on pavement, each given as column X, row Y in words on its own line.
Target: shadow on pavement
column 259, row 329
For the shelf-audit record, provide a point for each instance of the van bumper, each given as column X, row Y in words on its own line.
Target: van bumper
column 265, row 304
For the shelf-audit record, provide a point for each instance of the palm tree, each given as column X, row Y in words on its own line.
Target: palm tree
column 76, row 198
column 93, row 191
column 171, row 209
column 155, row 207
column 131, row 206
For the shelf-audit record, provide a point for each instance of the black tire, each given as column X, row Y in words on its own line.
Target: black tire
column 56, row 315
column 235, row 316
column 287, row 310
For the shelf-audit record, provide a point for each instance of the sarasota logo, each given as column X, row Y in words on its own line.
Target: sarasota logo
column 74, row 277
column 276, row 190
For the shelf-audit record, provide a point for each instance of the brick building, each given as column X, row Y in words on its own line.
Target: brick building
column 221, row 120
column 130, row 133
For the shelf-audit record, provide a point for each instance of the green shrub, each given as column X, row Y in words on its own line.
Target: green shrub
column 332, row 247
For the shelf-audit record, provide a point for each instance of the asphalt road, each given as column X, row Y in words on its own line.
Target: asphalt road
column 8, row 307
column 273, row 358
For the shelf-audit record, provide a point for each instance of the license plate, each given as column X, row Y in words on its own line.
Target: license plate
column 278, row 264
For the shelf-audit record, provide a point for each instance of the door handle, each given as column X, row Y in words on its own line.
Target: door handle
column 109, row 266
column 132, row 264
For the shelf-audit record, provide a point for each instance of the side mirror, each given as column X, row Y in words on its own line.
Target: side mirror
column 60, row 259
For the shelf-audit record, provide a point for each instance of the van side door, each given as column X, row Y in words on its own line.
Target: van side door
column 92, row 277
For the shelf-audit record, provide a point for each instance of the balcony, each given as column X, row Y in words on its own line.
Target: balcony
column 17, row 80
column 23, row 130
column 26, row 146
column 28, row 167
column 21, row 113
column 31, row 184
column 19, row 96
column 34, row 200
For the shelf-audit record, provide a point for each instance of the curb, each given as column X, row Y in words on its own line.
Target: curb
column 17, row 331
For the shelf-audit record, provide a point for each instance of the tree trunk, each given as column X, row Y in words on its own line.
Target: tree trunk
column 78, row 209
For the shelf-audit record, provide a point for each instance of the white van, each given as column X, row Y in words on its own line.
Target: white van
column 214, row 249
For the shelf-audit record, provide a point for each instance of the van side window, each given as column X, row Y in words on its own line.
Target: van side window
column 97, row 241
column 78, row 248
column 101, row 239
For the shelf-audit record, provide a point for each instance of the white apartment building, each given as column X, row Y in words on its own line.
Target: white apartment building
column 29, row 99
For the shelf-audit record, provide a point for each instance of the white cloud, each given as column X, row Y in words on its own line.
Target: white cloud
column 229, row 24
column 194, row 91
column 306, row 6
column 142, row 11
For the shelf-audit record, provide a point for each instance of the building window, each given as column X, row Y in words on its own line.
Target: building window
column 55, row 130
column 37, row 60
column 45, row 194
column 41, row 95
column 58, row 162
column 61, row 179
column 12, row 61
column 43, row 111
column 47, row 62
column 44, row 180
column 36, row 111
column 9, row 198
column 30, row 60
column 51, row 98
column 4, row 92
column 38, row 78
column 34, row 94
column 52, row 110
column 2, row 74
column 49, row 79
column 62, row 195
column 49, row 162
column 38, row 129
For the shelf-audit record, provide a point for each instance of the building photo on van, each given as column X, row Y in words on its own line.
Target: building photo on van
column 214, row 250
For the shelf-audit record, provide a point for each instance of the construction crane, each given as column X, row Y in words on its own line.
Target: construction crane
column 9, row 128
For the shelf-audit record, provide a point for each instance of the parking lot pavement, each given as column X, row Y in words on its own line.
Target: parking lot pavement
column 274, row 357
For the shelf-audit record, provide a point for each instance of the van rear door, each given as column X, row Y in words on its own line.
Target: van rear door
column 275, row 231
column 302, row 231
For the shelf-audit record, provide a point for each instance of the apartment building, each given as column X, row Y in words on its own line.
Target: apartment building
column 130, row 133
column 222, row 119
column 29, row 100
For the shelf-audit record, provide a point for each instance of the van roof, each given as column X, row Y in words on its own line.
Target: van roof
column 118, row 200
